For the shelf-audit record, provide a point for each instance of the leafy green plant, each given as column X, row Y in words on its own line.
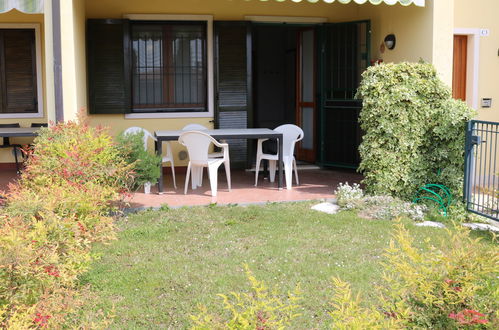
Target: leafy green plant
column 377, row 207
column 146, row 166
column 52, row 215
column 348, row 312
column 347, row 195
column 452, row 285
column 260, row 309
column 414, row 130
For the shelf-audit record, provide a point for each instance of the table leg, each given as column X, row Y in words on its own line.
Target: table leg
column 159, row 150
column 280, row 161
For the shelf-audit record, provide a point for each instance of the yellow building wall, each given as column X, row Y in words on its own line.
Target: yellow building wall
column 411, row 24
column 482, row 14
column 15, row 16
column 73, row 57
column 422, row 33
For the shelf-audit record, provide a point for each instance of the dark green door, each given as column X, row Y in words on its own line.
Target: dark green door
column 344, row 52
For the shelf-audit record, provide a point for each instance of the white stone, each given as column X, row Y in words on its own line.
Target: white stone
column 430, row 224
column 328, row 208
column 481, row 226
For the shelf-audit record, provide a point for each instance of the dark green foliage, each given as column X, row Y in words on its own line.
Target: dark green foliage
column 146, row 166
column 414, row 130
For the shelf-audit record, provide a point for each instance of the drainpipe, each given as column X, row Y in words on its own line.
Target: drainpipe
column 56, row 35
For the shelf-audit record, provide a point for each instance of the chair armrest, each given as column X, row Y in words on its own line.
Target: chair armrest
column 262, row 140
column 225, row 148
column 219, row 144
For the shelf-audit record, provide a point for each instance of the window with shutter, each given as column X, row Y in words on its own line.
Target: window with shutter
column 18, row 72
column 147, row 67
column 168, row 66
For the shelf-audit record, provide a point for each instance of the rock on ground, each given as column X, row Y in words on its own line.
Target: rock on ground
column 430, row 224
column 481, row 226
column 326, row 207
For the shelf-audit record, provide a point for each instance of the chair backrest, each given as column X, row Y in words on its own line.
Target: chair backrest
column 137, row 130
column 39, row 125
column 6, row 140
column 290, row 135
column 194, row 127
column 197, row 144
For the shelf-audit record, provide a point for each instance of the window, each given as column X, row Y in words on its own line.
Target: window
column 18, row 72
column 169, row 71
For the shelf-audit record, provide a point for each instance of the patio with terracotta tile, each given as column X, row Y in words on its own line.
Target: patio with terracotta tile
column 314, row 184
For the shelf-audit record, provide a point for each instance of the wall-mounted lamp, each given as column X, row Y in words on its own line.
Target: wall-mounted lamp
column 390, row 41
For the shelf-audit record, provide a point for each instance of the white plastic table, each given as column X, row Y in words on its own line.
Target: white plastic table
column 224, row 134
column 18, row 131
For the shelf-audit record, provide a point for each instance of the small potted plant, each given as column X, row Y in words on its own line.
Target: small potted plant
column 146, row 165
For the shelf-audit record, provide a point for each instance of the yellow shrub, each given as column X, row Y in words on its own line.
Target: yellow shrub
column 452, row 285
column 260, row 309
column 457, row 275
column 348, row 312
column 51, row 216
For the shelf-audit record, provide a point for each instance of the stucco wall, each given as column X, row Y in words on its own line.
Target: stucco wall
column 73, row 57
column 18, row 17
column 475, row 15
column 411, row 24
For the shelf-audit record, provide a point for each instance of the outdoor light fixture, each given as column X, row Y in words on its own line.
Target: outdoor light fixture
column 390, row 41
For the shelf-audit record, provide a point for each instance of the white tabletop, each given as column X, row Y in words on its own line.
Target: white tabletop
column 224, row 133
column 18, row 131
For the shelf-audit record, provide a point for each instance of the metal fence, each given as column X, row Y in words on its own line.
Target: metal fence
column 481, row 180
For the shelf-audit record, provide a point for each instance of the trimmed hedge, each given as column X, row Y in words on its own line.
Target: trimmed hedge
column 414, row 130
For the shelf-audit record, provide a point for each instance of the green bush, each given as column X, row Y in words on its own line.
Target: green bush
column 52, row 215
column 260, row 309
column 146, row 166
column 414, row 130
column 452, row 285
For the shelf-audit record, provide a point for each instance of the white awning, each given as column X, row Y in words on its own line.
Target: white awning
column 25, row 6
column 419, row 3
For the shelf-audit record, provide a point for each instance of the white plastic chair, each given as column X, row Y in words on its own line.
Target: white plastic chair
column 194, row 127
column 198, row 145
column 199, row 127
column 290, row 135
column 147, row 135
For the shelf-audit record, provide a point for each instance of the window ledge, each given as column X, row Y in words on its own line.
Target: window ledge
column 20, row 115
column 159, row 115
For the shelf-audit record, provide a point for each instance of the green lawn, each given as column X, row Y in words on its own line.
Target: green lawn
column 166, row 263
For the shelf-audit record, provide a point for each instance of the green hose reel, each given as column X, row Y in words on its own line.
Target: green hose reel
column 436, row 193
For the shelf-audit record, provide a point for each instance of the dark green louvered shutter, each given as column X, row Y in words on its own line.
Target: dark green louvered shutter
column 233, row 86
column 108, row 53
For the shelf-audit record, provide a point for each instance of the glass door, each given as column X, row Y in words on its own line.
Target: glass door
column 306, row 107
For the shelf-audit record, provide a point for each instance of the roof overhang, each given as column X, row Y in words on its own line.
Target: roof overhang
column 24, row 6
column 36, row 6
column 419, row 3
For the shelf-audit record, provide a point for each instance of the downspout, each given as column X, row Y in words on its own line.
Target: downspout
column 56, row 35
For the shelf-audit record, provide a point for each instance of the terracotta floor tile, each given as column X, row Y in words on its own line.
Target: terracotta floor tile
column 314, row 184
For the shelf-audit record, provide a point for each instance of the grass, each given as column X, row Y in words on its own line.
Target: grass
column 167, row 263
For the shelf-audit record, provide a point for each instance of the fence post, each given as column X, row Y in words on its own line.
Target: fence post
column 468, row 162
